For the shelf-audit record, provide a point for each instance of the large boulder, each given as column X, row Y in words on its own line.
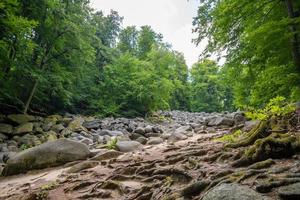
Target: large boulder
column 76, row 125
column 221, row 121
column 92, row 124
column 127, row 146
column 24, row 128
column 21, row 118
column 49, row 154
column 233, row 191
column 155, row 140
column 6, row 128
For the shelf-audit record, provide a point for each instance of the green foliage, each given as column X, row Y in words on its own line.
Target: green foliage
column 208, row 91
column 276, row 107
column 112, row 144
column 255, row 37
column 231, row 138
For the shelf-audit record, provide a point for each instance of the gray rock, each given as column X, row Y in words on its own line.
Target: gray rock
column 148, row 129
column 28, row 140
column 76, row 125
column 127, row 146
column 94, row 124
column 23, row 128
column 155, row 140
column 249, row 125
column 221, row 121
column 82, row 165
column 142, row 140
column 139, row 130
column 233, row 191
column 3, row 137
column 175, row 136
column 135, row 136
column 111, row 133
column 49, row 154
column 57, row 128
column 87, row 141
column 21, row 118
column 6, row 128
column 152, row 134
column 290, row 192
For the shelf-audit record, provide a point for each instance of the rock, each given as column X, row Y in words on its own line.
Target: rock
column 239, row 118
column 127, row 146
column 142, row 140
column 21, row 118
column 87, row 141
column 107, row 155
column 233, row 191
column 6, row 128
column 57, row 128
column 183, row 129
column 93, row 124
column 49, row 136
column 152, row 134
column 49, row 154
column 139, row 130
column 249, row 125
column 23, row 128
column 290, row 192
column 76, row 125
column 66, row 132
column 82, row 165
column 111, row 133
column 148, row 129
column 155, row 140
column 177, row 136
column 135, row 136
column 157, row 129
column 27, row 141
column 221, row 121
column 3, row 137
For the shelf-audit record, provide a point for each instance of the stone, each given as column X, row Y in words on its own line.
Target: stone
column 57, row 128
column 3, row 137
column 127, row 146
column 76, row 125
column 28, row 140
column 183, row 129
column 6, row 128
column 66, row 132
column 23, row 128
column 107, row 155
column 249, row 125
column 290, row 192
column 50, row 136
column 93, row 124
column 139, row 130
column 82, row 165
column 142, row 140
column 220, row 121
column 148, row 129
column 49, row 154
column 135, row 136
column 152, row 134
column 233, row 191
column 155, row 140
column 21, row 118
column 111, row 133
column 87, row 141
column 175, row 136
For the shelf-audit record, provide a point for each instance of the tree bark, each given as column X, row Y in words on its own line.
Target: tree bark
column 30, row 97
column 295, row 38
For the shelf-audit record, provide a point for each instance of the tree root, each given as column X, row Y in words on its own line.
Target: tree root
column 268, row 186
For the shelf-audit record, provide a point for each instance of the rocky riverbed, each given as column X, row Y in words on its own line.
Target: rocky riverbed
column 171, row 155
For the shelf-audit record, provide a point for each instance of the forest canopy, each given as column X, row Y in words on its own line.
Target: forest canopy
column 62, row 56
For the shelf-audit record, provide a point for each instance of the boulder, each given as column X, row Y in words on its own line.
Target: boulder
column 6, row 128
column 233, row 191
column 139, row 130
column 127, row 146
column 135, row 136
column 57, row 128
column 155, row 140
column 23, row 128
column 290, row 191
column 21, row 118
column 148, row 129
column 152, row 134
column 142, row 140
column 49, row 154
column 111, row 133
column 221, row 121
column 3, row 137
column 27, row 141
column 175, row 136
column 93, row 124
column 76, row 125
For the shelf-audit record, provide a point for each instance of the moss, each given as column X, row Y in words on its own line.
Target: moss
column 262, row 164
column 233, row 137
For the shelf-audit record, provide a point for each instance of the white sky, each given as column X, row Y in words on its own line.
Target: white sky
column 172, row 18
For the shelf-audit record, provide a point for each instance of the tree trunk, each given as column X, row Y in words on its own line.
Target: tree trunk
column 30, row 96
column 295, row 39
